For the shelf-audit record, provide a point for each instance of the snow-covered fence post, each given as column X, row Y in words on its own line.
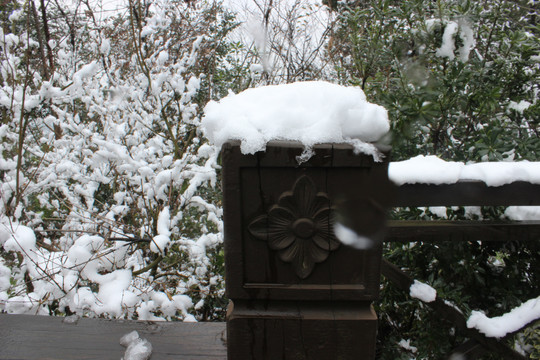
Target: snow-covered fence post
column 300, row 170
column 296, row 291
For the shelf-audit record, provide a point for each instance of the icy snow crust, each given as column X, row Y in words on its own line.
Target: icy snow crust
column 310, row 112
column 432, row 170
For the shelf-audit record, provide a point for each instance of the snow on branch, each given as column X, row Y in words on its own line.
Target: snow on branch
column 422, row 291
column 510, row 322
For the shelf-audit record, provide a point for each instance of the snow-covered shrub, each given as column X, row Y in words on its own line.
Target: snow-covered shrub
column 109, row 194
column 459, row 79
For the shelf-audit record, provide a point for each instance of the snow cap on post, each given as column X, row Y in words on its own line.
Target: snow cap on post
column 311, row 112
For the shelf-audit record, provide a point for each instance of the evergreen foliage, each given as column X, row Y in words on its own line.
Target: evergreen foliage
column 460, row 80
column 459, row 102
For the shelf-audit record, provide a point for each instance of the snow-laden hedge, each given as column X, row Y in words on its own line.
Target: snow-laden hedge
column 107, row 189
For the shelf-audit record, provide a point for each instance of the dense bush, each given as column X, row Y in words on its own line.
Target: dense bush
column 459, row 78
column 109, row 196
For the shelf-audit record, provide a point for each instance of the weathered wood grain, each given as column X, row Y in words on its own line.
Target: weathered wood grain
column 299, row 294
column 41, row 337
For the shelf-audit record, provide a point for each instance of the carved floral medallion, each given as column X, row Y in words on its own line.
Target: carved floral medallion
column 299, row 227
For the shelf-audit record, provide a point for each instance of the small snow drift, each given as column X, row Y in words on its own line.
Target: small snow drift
column 512, row 321
column 421, row 291
column 136, row 348
column 433, row 170
column 311, row 112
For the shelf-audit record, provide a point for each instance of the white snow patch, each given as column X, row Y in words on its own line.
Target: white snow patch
column 473, row 211
column 256, row 68
column 439, row 211
column 311, row 112
column 136, row 348
column 163, row 57
column 452, row 29
column 169, row 305
column 519, row 107
column 113, row 294
column 22, row 240
column 432, row 170
column 467, row 35
column 5, row 275
column 424, row 169
column 161, row 241
column 86, row 70
column 105, row 47
column 523, row 213
column 512, row 321
column 422, row 291
column 406, row 344
column 448, row 46
column 16, row 15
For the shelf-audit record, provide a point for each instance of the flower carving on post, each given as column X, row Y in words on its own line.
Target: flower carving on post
column 299, row 227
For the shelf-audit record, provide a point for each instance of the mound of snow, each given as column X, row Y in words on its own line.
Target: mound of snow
column 310, row 112
column 422, row 291
column 136, row 347
column 512, row 321
column 432, row 170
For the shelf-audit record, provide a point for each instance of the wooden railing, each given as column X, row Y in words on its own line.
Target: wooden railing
column 464, row 193
column 318, row 309
column 293, row 303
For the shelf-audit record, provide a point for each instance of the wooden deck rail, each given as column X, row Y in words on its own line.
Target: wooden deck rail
column 281, row 309
column 28, row 337
column 288, row 305
column 463, row 193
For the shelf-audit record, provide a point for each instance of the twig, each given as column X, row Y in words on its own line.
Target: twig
column 148, row 267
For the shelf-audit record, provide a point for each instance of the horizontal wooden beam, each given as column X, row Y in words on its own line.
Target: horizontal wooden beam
column 47, row 337
column 412, row 230
column 467, row 193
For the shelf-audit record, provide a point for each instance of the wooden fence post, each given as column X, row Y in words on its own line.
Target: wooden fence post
column 296, row 292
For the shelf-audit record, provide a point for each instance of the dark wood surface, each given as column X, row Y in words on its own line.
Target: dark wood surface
column 468, row 193
column 271, row 187
column 439, row 230
column 298, row 293
column 41, row 337
column 302, row 330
